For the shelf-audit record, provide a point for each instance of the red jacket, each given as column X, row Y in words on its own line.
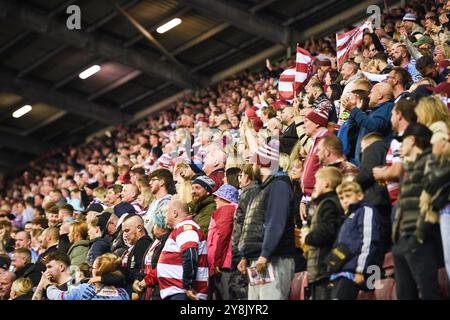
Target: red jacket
column 218, row 243
column 217, row 176
column 311, row 164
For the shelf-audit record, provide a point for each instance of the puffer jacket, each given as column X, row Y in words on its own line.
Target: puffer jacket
column 245, row 198
column 269, row 221
column 326, row 221
column 78, row 252
column 360, row 234
column 411, row 187
column 201, row 213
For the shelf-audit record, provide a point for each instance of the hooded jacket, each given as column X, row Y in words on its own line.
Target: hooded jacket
column 98, row 247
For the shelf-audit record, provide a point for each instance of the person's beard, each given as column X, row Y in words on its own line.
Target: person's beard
column 397, row 61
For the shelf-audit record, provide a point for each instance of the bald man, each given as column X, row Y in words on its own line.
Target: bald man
column 378, row 120
column 183, row 257
column 130, row 193
column 6, row 280
column 23, row 240
column 135, row 234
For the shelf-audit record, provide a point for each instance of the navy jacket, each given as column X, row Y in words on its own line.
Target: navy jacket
column 378, row 120
column 360, row 233
column 98, row 247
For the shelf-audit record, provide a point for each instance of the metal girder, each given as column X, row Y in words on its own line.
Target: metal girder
column 310, row 12
column 38, row 91
column 245, row 21
column 179, row 67
column 261, row 5
column 100, row 45
column 24, row 144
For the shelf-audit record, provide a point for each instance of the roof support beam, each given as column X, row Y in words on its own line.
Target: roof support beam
column 105, row 47
column 38, row 91
column 245, row 21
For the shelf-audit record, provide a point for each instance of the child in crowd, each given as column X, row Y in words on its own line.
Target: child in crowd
column 357, row 245
column 327, row 218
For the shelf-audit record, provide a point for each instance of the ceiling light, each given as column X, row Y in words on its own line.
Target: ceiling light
column 21, row 111
column 89, row 72
column 169, row 25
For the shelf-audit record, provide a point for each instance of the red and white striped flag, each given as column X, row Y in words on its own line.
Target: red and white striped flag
column 349, row 41
column 294, row 78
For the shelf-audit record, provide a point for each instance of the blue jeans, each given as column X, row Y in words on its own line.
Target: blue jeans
column 444, row 221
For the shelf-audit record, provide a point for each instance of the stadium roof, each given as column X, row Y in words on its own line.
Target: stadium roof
column 41, row 59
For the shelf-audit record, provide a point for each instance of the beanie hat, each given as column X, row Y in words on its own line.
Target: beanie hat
column 268, row 154
column 318, row 117
column 206, row 182
column 410, row 17
column 228, row 193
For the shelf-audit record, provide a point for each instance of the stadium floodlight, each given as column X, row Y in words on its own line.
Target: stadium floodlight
column 169, row 25
column 22, row 111
column 90, row 71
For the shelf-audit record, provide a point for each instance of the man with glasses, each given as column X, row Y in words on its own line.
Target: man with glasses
column 161, row 181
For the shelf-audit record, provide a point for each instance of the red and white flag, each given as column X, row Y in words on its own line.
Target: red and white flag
column 349, row 41
column 294, row 78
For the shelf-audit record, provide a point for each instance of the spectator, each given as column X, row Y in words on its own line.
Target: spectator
column 49, row 243
column 374, row 152
column 129, row 195
column 315, row 128
column 99, row 243
column 6, row 280
column 113, row 195
column 327, row 218
column 202, row 205
column 103, row 265
column 400, row 80
column 23, row 240
column 289, row 137
column 22, row 266
column 330, row 153
column 402, row 58
column 161, row 181
column 265, row 242
column 377, row 120
column 187, row 253
column 137, row 238
column 219, row 241
column 57, row 273
column 21, row 289
column 79, row 244
column 357, row 241
column 214, row 166
column 415, row 251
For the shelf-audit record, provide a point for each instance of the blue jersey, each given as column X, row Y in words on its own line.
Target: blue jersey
column 87, row 291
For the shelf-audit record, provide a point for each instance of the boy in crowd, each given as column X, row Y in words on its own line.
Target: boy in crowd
column 327, row 218
column 357, row 245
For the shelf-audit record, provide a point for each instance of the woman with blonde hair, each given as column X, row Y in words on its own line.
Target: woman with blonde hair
column 430, row 110
column 21, row 289
column 78, row 234
column 107, row 263
column 183, row 180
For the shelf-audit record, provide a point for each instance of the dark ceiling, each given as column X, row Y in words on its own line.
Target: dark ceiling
column 40, row 59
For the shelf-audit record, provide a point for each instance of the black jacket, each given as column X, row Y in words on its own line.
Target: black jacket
column 29, row 271
column 136, row 258
column 326, row 221
column 245, row 198
column 411, row 187
column 64, row 243
column 288, row 139
column 118, row 246
column 98, row 247
column 373, row 156
column 269, row 221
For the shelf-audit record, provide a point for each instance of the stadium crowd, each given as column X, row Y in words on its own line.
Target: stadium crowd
column 233, row 191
